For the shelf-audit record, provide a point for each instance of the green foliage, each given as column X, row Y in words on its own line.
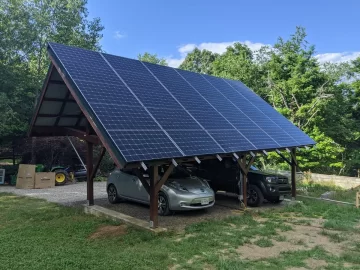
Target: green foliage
column 322, row 100
column 152, row 58
column 25, row 29
column 199, row 61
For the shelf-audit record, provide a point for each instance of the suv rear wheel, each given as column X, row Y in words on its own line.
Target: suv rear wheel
column 254, row 196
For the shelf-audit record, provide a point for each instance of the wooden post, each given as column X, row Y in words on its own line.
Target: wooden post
column 98, row 161
column 153, row 197
column 89, row 168
column 293, row 173
column 245, row 167
column 357, row 199
column 244, row 189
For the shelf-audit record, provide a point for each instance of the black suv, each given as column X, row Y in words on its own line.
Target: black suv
column 225, row 176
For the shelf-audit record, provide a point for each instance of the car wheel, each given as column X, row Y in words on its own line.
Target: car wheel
column 163, row 205
column 254, row 196
column 113, row 196
column 275, row 200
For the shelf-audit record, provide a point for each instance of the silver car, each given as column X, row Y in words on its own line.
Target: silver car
column 181, row 191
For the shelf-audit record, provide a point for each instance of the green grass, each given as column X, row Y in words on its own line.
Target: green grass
column 317, row 189
column 264, row 242
column 334, row 237
column 35, row 234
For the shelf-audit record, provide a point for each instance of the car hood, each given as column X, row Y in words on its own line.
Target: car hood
column 192, row 184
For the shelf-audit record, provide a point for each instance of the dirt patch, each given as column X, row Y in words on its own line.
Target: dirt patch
column 184, row 237
column 300, row 238
column 314, row 264
column 348, row 265
column 108, row 231
column 191, row 261
column 253, row 252
column 208, row 267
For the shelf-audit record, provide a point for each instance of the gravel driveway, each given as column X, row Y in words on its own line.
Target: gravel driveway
column 70, row 194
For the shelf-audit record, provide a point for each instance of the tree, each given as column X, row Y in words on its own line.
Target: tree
column 152, row 58
column 25, row 29
column 238, row 63
column 200, row 61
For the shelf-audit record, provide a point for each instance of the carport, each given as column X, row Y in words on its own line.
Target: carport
column 107, row 100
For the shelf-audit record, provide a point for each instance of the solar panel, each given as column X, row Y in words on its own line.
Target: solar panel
column 149, row 112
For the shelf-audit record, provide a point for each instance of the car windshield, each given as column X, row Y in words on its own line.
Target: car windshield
column 180, row 172
column 253, row 168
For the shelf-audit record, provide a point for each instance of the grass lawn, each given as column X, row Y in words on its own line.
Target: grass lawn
column 35, row 234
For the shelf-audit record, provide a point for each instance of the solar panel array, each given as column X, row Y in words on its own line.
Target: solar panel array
column 154, row 112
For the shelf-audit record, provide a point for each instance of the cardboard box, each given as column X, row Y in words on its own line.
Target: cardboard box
column 44, row 180
column 26, row 176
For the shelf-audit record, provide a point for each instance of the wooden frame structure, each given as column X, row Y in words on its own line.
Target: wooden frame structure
column 92, row 135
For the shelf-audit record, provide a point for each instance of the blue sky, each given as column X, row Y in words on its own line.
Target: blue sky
column 173, row 28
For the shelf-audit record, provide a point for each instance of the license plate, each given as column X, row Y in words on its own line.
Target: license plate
column 204, row 201
column 281, row 197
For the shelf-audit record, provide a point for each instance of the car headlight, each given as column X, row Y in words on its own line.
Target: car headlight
column 271, row 179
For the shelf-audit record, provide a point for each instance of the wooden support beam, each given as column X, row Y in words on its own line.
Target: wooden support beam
column 245, row 167
column 164, row 178
column 57, row 82
column 153, row 197
column 143, row 181
column 284, row 158
column 58, row 116
column 58, row 99
column 89, row 169
column 293, row 173
column 357, row 199
column 97, row 163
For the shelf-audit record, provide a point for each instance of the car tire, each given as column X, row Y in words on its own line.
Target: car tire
column 163, row 205
column 113, row 196
column 254, row 196
column 275, row 200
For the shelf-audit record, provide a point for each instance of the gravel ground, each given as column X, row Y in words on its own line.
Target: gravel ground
column 71, row 194
column 75, row 194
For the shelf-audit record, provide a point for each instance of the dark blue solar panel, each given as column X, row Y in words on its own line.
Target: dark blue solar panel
column 174, row 119
column 282, row 122
column 138, row 145
column 265, row 123
column 112, row 116
column 142, row 83
column 243, row 123
column 107, row 93
column 231, row 141
column 156, row 112
column 194, row 143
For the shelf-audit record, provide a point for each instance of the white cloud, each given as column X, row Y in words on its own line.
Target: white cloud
column 118, row 35
column 337, row 57
column 215, row 47
column 220, row 47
